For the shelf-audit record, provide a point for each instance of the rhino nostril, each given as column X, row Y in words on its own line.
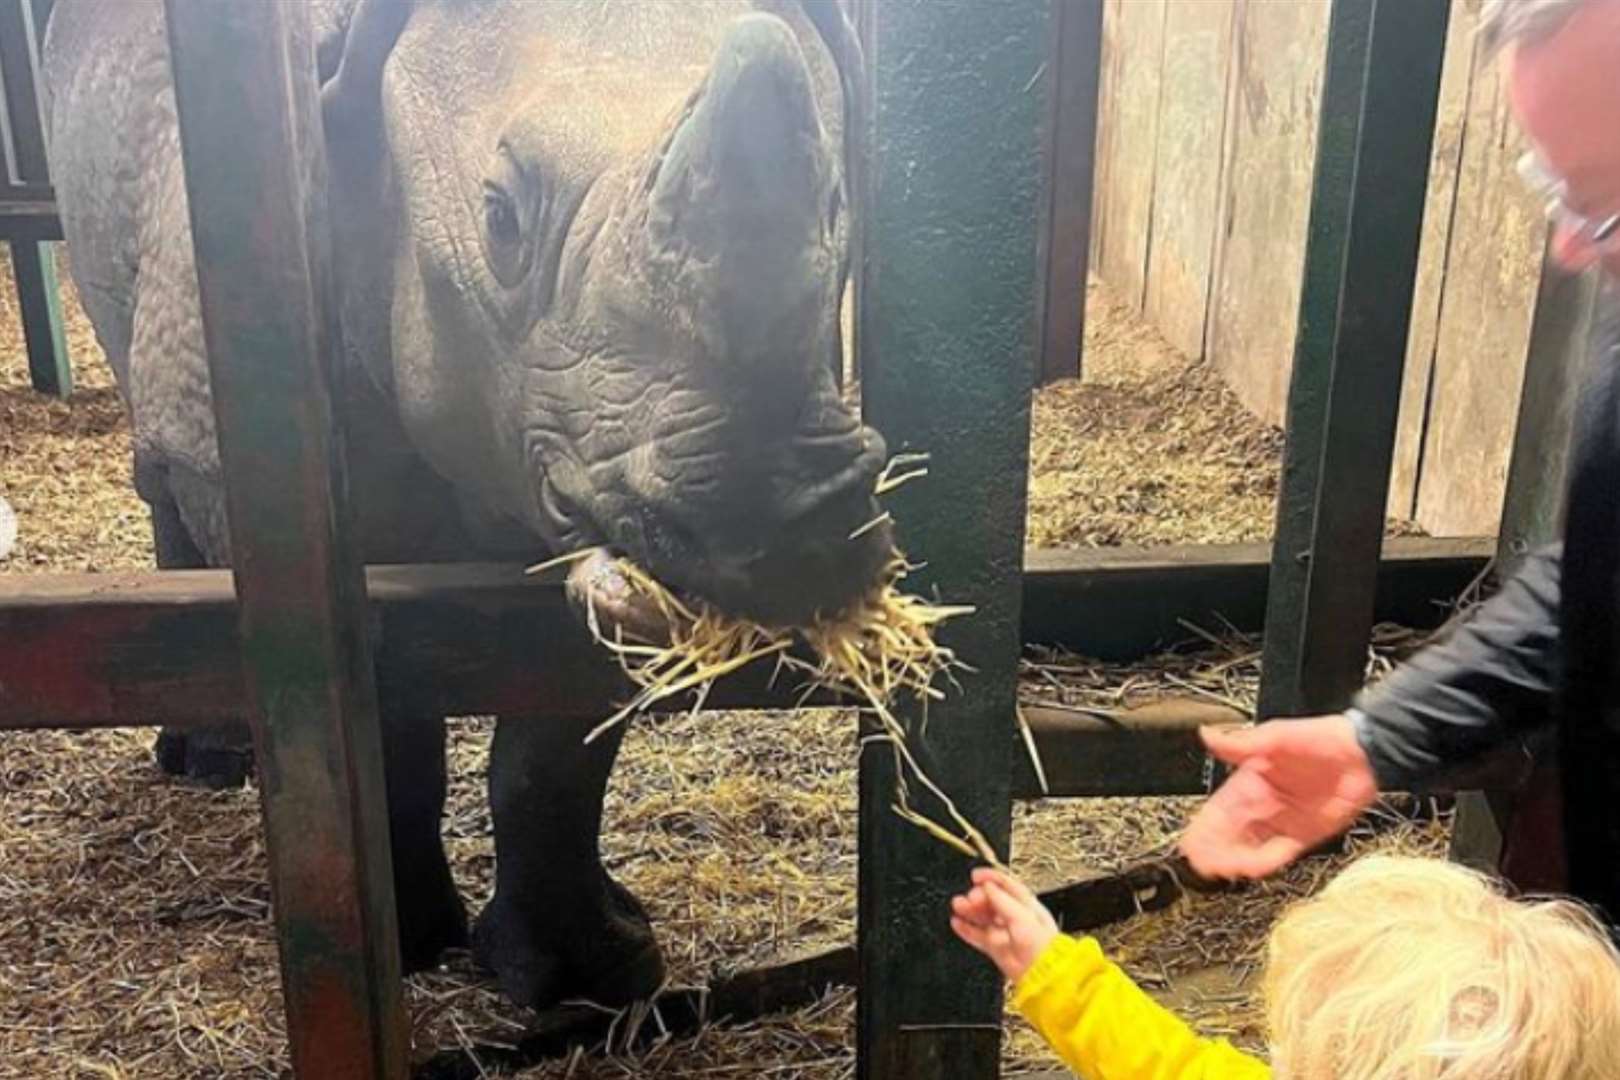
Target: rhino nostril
column 669, row 537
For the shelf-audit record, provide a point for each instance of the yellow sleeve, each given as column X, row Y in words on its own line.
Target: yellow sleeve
column 1105, row 1027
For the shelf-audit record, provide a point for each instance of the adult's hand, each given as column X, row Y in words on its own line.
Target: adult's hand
column 1297, row 783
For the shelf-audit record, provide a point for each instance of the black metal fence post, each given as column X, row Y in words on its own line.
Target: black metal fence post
column 950, row 308
column 1379, row 101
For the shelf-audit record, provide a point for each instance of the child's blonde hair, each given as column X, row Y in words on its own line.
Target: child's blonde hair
column 1417, row 969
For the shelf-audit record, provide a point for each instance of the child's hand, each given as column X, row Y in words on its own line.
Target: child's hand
column 1001, row 918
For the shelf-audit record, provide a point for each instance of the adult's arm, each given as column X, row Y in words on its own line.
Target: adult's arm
column 1486, row 688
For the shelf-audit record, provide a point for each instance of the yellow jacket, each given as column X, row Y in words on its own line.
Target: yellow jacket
column 1106, row 1028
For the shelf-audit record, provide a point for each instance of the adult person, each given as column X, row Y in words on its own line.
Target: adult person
column 1543, row 655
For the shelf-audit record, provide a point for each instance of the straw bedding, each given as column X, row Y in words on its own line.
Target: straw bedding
column 134, row 933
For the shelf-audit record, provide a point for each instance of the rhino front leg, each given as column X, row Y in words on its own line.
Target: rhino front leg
column 558, row 926
column 431, row 916
column 217, row 755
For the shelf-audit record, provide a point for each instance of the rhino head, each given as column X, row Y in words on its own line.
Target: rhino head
column 596, row 253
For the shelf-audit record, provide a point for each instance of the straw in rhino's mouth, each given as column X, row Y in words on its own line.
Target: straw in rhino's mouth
column 876, row 649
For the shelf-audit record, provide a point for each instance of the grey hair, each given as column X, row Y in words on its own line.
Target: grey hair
column 1508, row 22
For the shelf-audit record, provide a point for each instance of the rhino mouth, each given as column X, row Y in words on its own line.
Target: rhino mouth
column 823, row 548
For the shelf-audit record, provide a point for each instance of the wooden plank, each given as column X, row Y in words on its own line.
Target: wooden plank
column 1150, row 750
column 1485, row 317
column 1461, row 68
column 1128, row 139
column 252, row 146
column 1148, row 593
column 113, row 650
column 1378, row 106
column 1270, row 139
column 1186, row 183
column 1103, row 160
column 1070, row 159
column 951, row 301
column 33, row 266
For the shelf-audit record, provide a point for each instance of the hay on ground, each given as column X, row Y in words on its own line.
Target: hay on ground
column 1149, row 447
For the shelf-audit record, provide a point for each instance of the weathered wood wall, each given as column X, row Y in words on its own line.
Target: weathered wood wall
column 1205, row 150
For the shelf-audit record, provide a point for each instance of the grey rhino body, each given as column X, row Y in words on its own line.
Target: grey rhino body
column 590, row 257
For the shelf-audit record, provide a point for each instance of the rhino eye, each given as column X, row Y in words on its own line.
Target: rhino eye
column 513, row 215
column 500, row 216
column 504, row 229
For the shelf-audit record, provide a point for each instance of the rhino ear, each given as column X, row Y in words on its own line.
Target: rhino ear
column 329, row 19
column 836, row 22
column 356, row 38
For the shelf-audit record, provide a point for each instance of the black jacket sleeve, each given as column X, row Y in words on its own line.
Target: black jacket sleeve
column 1485, row 690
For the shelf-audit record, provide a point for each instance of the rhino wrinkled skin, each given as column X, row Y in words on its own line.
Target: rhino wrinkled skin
column 589, row 257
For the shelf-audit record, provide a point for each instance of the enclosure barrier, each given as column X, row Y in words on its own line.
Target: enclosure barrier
column 950, row 331
column 1372, row 167
column 28, row 218
column 131, row 649
column 258, row 222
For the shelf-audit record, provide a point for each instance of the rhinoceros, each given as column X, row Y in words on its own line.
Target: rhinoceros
column 590, row 257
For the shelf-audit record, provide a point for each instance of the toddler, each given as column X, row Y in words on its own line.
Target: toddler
column 1400, row 969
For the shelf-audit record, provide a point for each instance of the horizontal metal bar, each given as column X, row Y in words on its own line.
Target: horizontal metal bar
column 20, row 40
column 26, row 191
column 29, row 219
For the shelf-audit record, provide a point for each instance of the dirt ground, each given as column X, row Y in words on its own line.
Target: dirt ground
column 134, row 931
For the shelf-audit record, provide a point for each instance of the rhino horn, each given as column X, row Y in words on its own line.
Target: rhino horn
column 745, row 169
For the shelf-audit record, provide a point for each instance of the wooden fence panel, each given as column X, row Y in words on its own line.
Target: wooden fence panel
column 1490, row 288
column 1210, row 245
column 1457, row 81
column 1129, row 114
column 1278, row 54
column 1187, row 184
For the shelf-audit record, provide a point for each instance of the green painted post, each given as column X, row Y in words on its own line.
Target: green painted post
column 250, row 131
column 33, row 264
column 949, row 340
column 1372, row 166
